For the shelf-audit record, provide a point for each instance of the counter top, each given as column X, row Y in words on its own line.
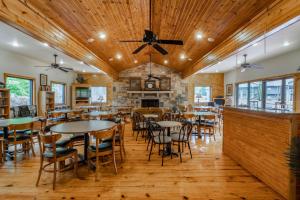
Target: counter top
column 278, row 112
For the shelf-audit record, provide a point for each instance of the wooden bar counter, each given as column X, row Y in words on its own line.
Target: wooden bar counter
column 258, row 140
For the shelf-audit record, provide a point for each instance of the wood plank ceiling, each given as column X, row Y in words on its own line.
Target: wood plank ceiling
column 172, row 19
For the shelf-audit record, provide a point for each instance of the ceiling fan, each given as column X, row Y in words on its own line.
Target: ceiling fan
column 245, row 65
column 151, row 38
column 56, row 65
column 150, row 76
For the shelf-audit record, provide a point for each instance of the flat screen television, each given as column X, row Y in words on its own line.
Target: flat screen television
column 83, row 93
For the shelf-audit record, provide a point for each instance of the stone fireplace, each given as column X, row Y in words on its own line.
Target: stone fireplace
column 149, row 103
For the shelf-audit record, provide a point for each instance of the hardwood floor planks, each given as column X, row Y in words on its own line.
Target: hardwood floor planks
column 209, row 175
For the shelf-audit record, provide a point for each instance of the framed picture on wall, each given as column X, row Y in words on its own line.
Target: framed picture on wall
column 229, row 89
column 165, row 83
column 135, row 84
column 43, row 79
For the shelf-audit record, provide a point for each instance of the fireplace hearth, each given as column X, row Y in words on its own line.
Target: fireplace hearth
column 149, row 103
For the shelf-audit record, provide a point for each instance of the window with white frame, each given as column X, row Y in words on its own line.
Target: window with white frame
column 99, row 94
column 59, row 90
column 202, row 94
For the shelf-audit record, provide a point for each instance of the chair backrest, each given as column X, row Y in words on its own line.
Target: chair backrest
column 99, row 135
column 166, row 117
column 136, row 119
column 27, row 126
column 48, row 142
column 185, row 130
column 210, row 117
column 121, row 130
column 154, row 127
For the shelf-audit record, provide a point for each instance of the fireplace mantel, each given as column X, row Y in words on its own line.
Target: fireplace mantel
column 150, row 93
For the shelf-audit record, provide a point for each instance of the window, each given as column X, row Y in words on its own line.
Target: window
column 59, row 90
column 289, row 93
column 243, row 94
column 256, row 96
column 269, row 94
column 273, row 94
column 21, row 90
column 98, row 95
column 202, row 94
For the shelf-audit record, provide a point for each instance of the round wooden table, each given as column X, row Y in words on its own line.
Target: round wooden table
column 83, row 127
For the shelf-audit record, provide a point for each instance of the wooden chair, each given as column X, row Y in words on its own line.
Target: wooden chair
column 26, row 140
column 210, row 125
column 138, row 124
column 75, row 115
column 166, row 117
column 103, row 149
column 52, row 154
column 183, row 137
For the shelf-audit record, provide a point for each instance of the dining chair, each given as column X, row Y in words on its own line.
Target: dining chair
column 75, row 115
column 166, row 117
column 25, row 140
column 52, row 154
column 101, row 149
column 183, row 137
column 119, row 139
column 209, row 125
column 159, row 137
column 138, row 124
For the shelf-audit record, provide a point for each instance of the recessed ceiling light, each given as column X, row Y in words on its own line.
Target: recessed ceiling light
column 210, row 39
column 198, row 36
column 255, row 44
column 61, row 62
column 111, row 59
column 15, row 44
column 90, row 40
column 135, row 61
column 83, row 71
column 81, row 62
column 46, row 44
column 102, row 35
column 166, row 61
column 89, row 56
column 286, row 43
column 219, row 62
column 118, row 56
column 190, row 59
column 211, row 57
column 182, row 56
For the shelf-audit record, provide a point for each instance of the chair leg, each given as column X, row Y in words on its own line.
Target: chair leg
column 54, row 175
column 150, row 139
column 114, row 160
column 15, row 155
column 179, row 150
column 97, row 168
column 32, row 147
column 40, row 172
column 121, row 154
column 150, row 151
column 190, row 150
column 162, row 156
column 76, row 164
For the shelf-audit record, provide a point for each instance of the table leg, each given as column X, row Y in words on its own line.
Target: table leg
column 86, row 145
column 199, row 127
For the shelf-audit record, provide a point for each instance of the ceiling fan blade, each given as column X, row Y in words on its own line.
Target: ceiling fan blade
column 176, row 42
column 155, row 77
column 160, row 49
column 62, row 69
column 41, row 66
column 130, row 41
column 139, row 49
column 66, row 68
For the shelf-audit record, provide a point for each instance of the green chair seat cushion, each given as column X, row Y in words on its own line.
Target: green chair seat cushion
column 34, row 132
column 19, row 138
column 60, row 143
column 104, row 146
column 60, row 151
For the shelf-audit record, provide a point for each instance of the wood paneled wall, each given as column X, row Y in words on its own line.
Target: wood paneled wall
column 258, row 141
column 101, row 80
column 215, row 81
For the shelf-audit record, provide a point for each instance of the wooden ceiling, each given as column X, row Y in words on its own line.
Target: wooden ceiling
column 172, row 19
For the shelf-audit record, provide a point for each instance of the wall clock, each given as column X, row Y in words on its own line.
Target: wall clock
column 150, row 85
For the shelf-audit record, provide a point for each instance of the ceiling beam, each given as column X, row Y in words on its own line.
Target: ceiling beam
column 276, row 14
column 26, row 18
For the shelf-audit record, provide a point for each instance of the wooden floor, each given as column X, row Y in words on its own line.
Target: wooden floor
column 209, row 175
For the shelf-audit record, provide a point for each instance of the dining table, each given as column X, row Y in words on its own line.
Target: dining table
column 101, row 114
column 168, row 125
column 6, row 123
column 83, row 127
column 199, row 115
